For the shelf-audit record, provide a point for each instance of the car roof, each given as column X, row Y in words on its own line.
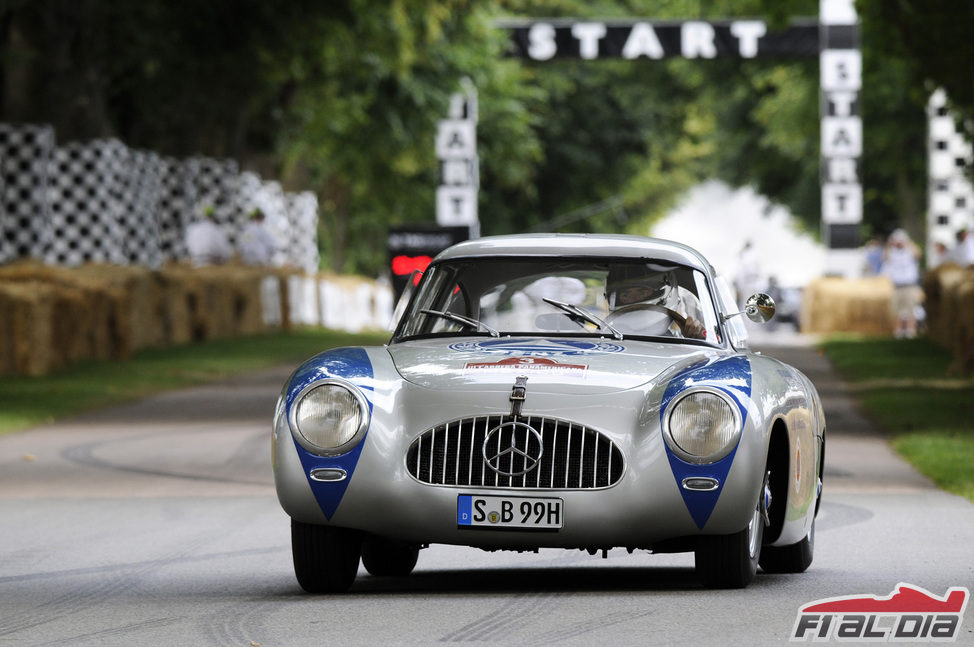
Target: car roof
column 577, row 245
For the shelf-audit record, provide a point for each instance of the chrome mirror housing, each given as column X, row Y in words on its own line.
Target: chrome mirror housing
column 759, row 308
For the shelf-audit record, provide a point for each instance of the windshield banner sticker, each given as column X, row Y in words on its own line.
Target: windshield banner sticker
column 538, row 347
column 528, row 364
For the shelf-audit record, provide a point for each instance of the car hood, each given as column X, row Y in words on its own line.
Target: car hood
column 559, row 365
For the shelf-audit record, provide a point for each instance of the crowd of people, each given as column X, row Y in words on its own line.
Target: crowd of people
column 209, row 244
column 898, row 258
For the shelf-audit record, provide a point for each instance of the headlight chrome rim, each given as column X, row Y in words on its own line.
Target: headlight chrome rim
column 723, row 452
column 357, row 436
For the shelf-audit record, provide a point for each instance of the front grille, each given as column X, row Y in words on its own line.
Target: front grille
column 573, row 456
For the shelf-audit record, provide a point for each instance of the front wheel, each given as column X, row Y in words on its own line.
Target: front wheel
column 795, row 558
column 325, row 558
column 730, row 561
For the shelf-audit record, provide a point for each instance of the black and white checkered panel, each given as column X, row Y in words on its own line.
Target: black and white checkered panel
column 139, row 205
column 6, row 253
column 302, row 240
column 177, row 202
column 950, row 195
column 215, row 183
column 85, row 185
column 25, row 155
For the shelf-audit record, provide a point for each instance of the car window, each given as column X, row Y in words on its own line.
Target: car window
column 558, row 296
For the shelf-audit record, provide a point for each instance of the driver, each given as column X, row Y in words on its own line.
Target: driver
column 632, row 284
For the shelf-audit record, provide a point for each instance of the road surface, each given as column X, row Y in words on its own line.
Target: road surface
column 156, row 523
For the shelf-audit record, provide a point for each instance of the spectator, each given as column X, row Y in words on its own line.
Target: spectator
column 963, row 253
column 901, row 265
column 873, row 256
column 939, row 254
column 257, row 244
column 207, row 242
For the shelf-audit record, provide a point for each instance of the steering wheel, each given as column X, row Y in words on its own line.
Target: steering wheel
column 635, row 307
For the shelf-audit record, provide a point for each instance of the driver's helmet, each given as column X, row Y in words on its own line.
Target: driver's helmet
column 637, row 283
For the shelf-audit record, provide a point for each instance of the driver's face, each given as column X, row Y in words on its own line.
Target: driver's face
column 637, row 293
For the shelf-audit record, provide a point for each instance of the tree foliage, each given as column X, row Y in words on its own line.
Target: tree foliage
column 343, row 97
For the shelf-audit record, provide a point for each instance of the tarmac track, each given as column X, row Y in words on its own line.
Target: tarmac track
column 156, row 523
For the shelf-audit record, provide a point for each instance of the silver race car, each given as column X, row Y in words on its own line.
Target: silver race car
column 564, row 391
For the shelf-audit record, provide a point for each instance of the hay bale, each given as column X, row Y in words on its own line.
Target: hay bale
column 214, row 302
column 961, row 338
column 940, row 288
column 833, row 304
column 108, row 306
column 28, row 308
column 141, row 304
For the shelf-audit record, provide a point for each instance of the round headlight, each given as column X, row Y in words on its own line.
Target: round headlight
column 703, row 427
column 328, row 417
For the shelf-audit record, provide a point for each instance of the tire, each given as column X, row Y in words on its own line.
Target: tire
column 795, row 558
column 730, row 561
column 325, row 558
column 388, row 558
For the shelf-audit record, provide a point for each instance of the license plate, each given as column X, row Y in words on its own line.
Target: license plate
column 509, row 512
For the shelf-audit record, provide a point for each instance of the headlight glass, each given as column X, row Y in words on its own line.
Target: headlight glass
column 328, row 417
column 703, row 426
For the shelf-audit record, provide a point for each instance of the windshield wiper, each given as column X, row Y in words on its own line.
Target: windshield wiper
column 460, row 319
column 576, row 312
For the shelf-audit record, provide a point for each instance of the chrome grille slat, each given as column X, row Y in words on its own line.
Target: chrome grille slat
column 574, row 456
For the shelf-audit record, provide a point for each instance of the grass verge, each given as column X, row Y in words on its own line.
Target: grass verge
column 29, row 401
column 901, row 385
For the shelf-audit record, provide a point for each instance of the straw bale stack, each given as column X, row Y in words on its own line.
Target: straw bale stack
column 97, row 328
column 141, row 306
column 848, row 305
column 940, row 289
column 50, row 316
column 26, row 318
column 963, row 343
column 212, row 302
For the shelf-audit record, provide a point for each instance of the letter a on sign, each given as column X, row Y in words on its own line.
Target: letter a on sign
column 456, row 138
column 642, row 41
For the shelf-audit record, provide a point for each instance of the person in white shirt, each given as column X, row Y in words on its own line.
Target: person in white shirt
column 963, row 253
column 901, row 265
column 207, row 241
column 257, row 244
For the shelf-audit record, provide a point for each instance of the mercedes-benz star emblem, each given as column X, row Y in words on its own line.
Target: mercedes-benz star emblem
column 513, row 448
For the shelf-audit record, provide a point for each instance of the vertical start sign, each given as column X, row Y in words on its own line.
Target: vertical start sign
column 841, row 80
column 456, row 148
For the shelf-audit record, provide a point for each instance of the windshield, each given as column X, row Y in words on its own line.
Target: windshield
column 562, row 296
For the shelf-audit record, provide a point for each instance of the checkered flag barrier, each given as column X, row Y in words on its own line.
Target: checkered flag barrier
column 84, row 191
column 101, row 201
column 950, row 196
column 25, row 158
column 302, row 235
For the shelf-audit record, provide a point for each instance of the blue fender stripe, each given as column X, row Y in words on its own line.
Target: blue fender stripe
column 731, row 375
column 354, row 366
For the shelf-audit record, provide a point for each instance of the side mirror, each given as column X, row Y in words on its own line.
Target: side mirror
column 759, row 308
